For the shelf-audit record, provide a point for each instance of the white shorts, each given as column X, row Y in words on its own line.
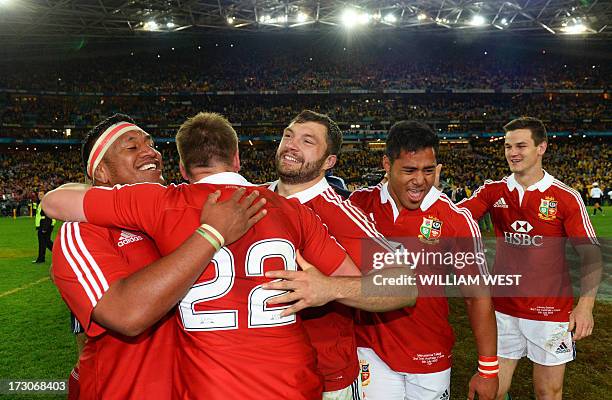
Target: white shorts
column 382, row 383
column 351, row 392
column 543, row 342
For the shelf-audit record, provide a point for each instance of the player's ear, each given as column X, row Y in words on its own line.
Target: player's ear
column 386, row 163
column 542, row 148
column 183, row 171
column 330, row 161
column 236, row 162
column 102, row 174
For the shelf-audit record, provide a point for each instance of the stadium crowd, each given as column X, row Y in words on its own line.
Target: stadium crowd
column 463, row 112
column 160, row 86
column 243, row 66
column 578, row 161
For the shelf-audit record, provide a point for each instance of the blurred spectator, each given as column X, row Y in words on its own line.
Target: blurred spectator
column 44, row 229
column 596, row 195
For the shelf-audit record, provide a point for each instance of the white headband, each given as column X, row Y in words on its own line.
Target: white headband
column 105, row 141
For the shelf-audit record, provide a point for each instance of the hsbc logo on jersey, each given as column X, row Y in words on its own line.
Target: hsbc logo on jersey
column 520, row 236
column 522, row 226
column 127, row 238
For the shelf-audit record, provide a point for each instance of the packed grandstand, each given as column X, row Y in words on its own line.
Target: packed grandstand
column 46, row 106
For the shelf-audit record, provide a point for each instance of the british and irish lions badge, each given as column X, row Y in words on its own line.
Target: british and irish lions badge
column 548, row 208
column 430, row 230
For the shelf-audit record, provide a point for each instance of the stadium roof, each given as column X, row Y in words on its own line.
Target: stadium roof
column 21, row 19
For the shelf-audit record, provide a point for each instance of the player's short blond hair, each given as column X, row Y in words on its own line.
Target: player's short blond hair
column 206, row 140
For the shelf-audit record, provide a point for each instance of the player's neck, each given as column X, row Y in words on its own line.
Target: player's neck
column 287, row 189
column 395, row 199
column 530, row 177
column 201, row 172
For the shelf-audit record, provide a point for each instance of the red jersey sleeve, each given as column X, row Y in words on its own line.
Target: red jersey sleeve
column 134, row 207
column 316, row 245
column 576, row 221
column 479, row 202
column 85, row 264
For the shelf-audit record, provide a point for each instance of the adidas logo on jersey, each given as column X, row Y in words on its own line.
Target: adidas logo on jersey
column 563, row 348
column 127, row 238
column 445, row 395
column 501, row 203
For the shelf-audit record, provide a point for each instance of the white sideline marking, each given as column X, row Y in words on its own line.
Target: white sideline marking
column 20, row 288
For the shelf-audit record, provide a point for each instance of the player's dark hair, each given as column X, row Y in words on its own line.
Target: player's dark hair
column 205, row 140
column 536, row 126
column 410, row 136
column 334, row 134
column 96, row 131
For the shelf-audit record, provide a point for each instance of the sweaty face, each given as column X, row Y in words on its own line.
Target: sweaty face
column 133, row 159
column 301, row 154
column 521, row 152
column 411, row 176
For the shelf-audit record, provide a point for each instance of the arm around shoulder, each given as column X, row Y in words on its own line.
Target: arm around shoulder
column 66, row 202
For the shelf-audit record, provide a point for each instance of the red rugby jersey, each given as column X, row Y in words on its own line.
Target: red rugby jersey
column 87, row 259
column 231, row 344
column 330, row 327
column 418, row 339
column 532, row 227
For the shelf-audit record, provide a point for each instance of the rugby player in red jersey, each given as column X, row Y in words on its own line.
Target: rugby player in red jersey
column 534, row 214
column 232, row 343
column 116, row 283
column 406, row 354
column 308, row 149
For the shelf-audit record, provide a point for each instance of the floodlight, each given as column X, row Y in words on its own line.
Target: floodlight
column 422, row 16
column 363, row 18
column 478, row 20
column 390, row 18
column 301, row 17
column 170, row 25
column 575, row 29
column 150, row 26
column 349, row 17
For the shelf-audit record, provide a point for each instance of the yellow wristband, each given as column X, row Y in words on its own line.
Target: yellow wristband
column 215, row 232
column 210, row 239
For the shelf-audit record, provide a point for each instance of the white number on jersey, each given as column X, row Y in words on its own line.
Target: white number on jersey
column 260, row 315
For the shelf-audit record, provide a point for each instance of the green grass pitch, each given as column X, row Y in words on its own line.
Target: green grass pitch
column 36, row 342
